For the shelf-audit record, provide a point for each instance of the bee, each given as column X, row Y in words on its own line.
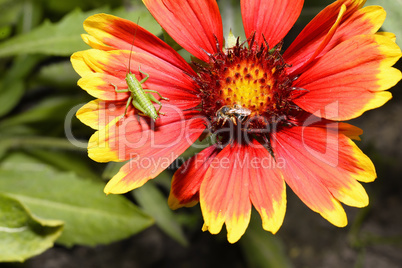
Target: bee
column 234, row 113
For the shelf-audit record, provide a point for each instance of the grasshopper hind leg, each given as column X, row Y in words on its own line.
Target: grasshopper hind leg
column 139, row 108
column 153, row 99
column 159, row 94
column 142, row 111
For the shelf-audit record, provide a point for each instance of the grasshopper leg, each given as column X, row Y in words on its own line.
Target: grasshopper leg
column 119, row 90
column 152, row 98
column 128, row 104
column 144, row 73
column 159, row 94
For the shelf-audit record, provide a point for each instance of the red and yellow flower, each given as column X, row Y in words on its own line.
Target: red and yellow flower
column 275, row 116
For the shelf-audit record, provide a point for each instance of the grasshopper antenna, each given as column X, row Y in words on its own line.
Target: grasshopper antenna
column 132, row 45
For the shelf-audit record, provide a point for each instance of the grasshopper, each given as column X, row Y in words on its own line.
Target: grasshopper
column 140, row 98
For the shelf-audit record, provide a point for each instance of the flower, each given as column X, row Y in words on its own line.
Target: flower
column 276, row 117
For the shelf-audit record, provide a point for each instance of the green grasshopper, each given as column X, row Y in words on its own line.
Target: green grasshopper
column 140, row 98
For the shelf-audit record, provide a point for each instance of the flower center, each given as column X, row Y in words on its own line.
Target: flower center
column 246, row 87
column 248, row 84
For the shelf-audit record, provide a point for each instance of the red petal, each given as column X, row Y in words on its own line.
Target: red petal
column 108, row 68
column 194, row 24
column 321, row 167
column 355, row 21
column 132, row 136
column 322, row 45
column 343, row 84
column 267, row 187
column 224, row 193
column 98, row 113
column 151, row 149
column 310, row 120
column 187, row 179
column 269, row 19
column 118, row 33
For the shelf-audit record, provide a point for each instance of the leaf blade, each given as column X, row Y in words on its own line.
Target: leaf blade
column 64, row 37
column 23, row 235
column 90, row 216
column 154, row 203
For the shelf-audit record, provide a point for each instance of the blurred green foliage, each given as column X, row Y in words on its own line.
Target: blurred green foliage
column 19, row 225
column 50, row 191
column 42, row 174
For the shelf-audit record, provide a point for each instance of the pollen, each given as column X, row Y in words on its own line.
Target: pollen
column 248, row 85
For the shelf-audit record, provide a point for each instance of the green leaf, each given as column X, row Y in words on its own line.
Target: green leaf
column 50, row 109
column 34, row 143
column 12, row 86
column 261, row 248
column 5, row 32
column 10, row 95
column 30, row 16
column 394, row 14
column 59, row 74
column 90, row 216
column 57, row 6
column 154, row 203
column 17, row 130
column 66, row 161
column 13, row 10
column 23, row 235
column 111, row 169
column 139, row 10
column 62, row 38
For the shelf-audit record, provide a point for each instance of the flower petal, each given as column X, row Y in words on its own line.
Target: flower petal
column 267, row 187
column 269, row 19
column 323, row 44
column 224, row 193
column 98, row 113
column 106, row 69
column 108, row 32
column 322, row 167
column 101, row 85
column 187, row 179
column 151, row 149
column 125, row 138
column 310, row 120
column 79, row 64
column 342, row 84
column 355, row 21
column 391, row 36
column 194, row 24
column 349, row 130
